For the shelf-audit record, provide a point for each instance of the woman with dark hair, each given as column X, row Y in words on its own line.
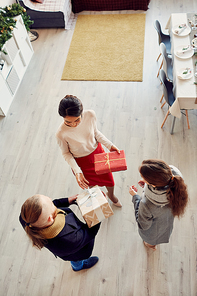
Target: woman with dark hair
column 51, row 224
column 79, row 139
column 164, row 197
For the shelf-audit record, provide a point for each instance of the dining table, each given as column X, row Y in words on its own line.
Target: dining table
column 184, row 88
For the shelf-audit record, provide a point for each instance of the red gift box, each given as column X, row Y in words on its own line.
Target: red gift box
column 110, row 162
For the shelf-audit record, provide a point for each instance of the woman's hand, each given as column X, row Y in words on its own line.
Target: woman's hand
column 133, row 190
column 72, row 199
column 141, row 183
column 81, row 180
column 114, row 148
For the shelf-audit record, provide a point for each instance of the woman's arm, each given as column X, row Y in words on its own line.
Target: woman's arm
column 101, row 138
column 81, row 180
column 61, row 202
column 65, row 202
column 68, row 155
column 142, row 214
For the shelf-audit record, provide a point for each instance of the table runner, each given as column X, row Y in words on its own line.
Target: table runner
column 194, row 58
column 184, row 90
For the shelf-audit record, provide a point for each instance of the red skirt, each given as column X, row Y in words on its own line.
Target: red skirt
column 86, row 164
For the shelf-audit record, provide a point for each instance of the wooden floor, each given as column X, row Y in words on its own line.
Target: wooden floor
column 129, row 114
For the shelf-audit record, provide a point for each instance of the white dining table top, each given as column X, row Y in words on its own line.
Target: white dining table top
column 185, row 91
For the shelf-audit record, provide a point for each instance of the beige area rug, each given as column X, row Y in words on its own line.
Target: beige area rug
column 106, row 48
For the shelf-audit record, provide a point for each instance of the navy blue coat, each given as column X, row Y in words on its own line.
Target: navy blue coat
column 76, row 240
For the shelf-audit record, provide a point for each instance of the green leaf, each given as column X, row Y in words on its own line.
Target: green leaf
column 7, row 21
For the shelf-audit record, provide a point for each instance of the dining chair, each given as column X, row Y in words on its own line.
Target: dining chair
column 167, row 63
column 168, row 95
column 163, row 38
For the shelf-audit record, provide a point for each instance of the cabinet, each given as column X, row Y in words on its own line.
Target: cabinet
column 19, row 53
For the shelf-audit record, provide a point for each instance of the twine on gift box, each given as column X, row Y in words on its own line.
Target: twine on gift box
column 91, row 194
column 95, row 207
column 108, row 160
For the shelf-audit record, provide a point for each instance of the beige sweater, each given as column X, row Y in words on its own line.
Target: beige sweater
column 81, row 140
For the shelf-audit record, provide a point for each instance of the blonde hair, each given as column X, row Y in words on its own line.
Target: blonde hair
column 30, row 212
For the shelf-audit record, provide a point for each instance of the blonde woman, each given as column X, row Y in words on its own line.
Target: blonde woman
column 51, row 224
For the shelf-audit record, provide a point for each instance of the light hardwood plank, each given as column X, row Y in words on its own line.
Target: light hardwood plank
column 129, row 114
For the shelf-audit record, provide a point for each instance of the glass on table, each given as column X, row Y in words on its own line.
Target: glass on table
column 194, row 22
column 195, row 74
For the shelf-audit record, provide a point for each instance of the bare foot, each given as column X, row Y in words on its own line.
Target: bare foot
column 154, row 248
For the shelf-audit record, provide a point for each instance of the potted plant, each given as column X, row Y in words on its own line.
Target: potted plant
column 8, row 22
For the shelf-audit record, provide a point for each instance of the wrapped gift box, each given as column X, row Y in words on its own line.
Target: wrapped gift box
column 94, row 206
column 110, row 162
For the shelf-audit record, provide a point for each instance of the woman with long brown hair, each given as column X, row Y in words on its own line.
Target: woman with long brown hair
column 164, row 197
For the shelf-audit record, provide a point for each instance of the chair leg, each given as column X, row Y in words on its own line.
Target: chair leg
column 161, row 98
column 165, row 118
column 158, row 57
column 160, row 68
column 187, row 119
column 163, row 104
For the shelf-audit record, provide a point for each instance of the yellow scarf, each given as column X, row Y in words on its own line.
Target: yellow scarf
column 57, row 226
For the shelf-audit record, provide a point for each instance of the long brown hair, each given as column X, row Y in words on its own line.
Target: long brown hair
column 30, row 212
column 158, row 173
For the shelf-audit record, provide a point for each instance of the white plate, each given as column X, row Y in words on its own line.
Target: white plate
column 183, row 33
column 194, row 42
column 187, row 76
column 186, row 55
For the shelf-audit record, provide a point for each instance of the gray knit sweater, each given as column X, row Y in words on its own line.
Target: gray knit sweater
column 153, row 214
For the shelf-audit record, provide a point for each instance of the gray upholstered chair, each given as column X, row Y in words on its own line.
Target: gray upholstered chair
column 163, row 38
column 167, row 62
column 168, row 95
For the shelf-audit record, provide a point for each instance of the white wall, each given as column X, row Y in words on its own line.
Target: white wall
column 4, row 3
